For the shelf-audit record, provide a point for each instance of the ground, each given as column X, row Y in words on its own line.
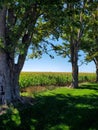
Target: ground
column 58, row 109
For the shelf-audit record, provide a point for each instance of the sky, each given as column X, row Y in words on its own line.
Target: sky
column 58, row 64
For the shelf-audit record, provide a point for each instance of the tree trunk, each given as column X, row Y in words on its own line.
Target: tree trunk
column 97, row 74
column 74, row 75
column 74, row 62
column 4, row 71
column 96, row 64
column 96, row 71
column 9, row 77
column 9, row 86
column 5, row 87
column 14, row 78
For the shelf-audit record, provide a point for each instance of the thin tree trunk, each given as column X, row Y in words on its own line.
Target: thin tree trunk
column 74, row 62
column 96, row 64
column 96, row 71
column 97, row 74
column 74, row 76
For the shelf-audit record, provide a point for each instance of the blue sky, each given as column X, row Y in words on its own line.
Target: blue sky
column 58, row 64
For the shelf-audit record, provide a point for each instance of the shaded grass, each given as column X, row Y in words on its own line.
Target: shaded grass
column 89, row 86
column 59, row 109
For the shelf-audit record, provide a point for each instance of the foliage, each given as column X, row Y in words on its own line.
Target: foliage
column 72, row 27
column 59, row 109
column 27, row 25
column 51, row 78
column 90, row 36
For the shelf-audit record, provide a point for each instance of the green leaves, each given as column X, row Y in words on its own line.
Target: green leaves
column 62, row 50
column 90, row 45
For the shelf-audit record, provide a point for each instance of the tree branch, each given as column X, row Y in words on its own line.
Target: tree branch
column 21, row 58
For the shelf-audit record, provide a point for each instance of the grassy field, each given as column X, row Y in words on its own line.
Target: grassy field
column 51, row 78
column 58, row 109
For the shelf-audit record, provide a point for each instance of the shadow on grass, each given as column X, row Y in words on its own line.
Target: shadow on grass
column 56, row 112
column 91, row 86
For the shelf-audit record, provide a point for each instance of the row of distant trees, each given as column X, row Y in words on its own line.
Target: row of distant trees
column 29, row 23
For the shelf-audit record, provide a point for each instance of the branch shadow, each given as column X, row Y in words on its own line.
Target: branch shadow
column 55, row 112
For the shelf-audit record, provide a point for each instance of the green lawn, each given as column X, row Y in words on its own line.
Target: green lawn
column 59, row 109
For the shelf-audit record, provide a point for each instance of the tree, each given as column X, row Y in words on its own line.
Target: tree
column 72, row 32
column 19, row 24
column 90, row 37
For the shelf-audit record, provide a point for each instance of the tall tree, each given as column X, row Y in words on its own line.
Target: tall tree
column 72, row 32
column 90, row 37
column 18, row 30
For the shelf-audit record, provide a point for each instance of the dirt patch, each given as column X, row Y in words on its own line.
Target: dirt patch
column 33, row 89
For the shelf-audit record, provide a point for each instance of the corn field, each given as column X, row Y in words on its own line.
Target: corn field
column 28, row 79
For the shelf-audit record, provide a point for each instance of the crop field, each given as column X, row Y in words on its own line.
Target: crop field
column 28, row 79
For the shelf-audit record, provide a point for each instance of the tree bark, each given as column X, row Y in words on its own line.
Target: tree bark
column 4, row 70
column 74, row 62
column 9, row 74
column 14, row 78
column 5, row 87
column 9, row 85
column 97, row 73
column 96, row 64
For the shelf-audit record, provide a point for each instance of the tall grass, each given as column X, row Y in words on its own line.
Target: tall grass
column 51, row 78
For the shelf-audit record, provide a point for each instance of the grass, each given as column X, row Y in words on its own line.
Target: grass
column 59, row 109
